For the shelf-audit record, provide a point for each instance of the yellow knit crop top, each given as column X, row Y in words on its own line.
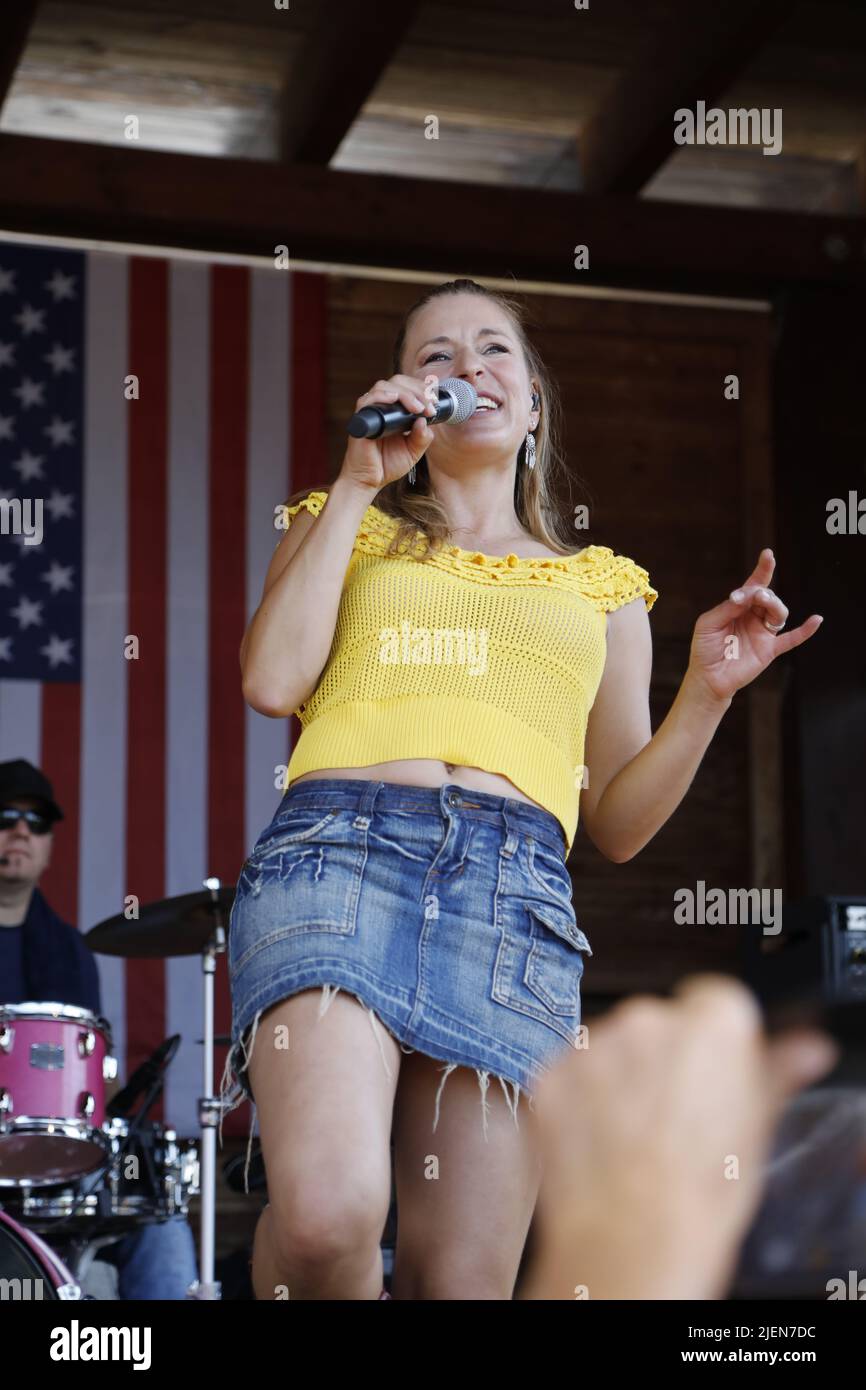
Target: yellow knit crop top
column 466, row 658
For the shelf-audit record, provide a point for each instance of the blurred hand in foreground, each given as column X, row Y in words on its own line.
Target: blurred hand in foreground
column 653, row 1142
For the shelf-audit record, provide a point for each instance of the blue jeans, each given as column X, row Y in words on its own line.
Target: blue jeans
column 156, row 1262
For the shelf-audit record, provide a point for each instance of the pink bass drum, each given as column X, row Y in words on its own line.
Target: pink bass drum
column 29, row 1269
column 54, row 1062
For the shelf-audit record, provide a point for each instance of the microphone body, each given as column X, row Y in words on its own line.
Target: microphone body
column 457, row 401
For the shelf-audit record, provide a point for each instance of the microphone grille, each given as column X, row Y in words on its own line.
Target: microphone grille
column 465, row 398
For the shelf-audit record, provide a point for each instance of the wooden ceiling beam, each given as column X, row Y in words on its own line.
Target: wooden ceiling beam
column 14, row 33
column 701, row 52
column 112, row 193
column 337, row 66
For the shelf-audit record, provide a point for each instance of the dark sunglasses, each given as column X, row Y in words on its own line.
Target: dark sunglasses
column 39, row 823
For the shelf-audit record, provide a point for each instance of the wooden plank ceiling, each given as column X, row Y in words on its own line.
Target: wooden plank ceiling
column 527, row 94
column 514, row 83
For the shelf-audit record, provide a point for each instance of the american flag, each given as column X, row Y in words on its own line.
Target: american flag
column 152, row 405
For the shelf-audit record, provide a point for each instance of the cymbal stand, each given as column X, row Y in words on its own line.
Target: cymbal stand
column 205, row 1287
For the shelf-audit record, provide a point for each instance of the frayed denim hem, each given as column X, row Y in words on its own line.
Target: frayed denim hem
column 233, row 1092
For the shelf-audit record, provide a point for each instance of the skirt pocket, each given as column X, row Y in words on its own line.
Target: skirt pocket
column 539, row 969
column 302, row 877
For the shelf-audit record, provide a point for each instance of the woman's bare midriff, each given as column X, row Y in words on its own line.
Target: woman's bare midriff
column 426, row 772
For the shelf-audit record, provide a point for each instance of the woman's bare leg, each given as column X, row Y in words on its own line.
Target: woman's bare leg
column 464, row 1203
column 325, row 1106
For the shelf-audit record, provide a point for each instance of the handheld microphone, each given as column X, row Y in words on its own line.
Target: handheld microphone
column 457, row 401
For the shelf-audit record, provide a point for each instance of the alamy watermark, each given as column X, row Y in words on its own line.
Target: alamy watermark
column 738, row 126
column 26, row 1290
column 22, row 516
column 436, row 646
column 729, row 907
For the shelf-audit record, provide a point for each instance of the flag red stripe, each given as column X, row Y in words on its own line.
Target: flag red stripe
column 146, row 676
column 229, row 394
column 308, row 397
column 60, row 744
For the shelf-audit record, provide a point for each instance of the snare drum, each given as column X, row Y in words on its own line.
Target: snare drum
column 54, row 1062
column 152, row 1177
column 29, row 1269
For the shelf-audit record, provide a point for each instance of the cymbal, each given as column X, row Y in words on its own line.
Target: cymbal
column 180, row 926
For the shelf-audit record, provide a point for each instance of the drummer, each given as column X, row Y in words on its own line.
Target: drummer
column 44, row 958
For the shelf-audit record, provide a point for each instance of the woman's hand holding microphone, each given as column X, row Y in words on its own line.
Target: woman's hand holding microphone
column 373, row 463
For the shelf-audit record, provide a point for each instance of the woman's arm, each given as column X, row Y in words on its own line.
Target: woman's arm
column 647, row 791
column 289, row 637
column 637, row 779
column 636, row 782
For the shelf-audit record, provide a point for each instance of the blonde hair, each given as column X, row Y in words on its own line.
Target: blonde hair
column 535, row 489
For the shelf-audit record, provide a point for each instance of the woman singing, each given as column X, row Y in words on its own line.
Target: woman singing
column 406, row 917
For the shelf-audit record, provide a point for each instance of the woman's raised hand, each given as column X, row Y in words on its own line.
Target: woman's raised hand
column 732, row 643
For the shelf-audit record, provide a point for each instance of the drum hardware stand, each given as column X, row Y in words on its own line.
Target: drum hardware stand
column 205, row 1287
column 80, row 1255
column 91, row 1181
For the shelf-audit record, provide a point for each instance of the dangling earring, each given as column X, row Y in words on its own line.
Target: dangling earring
column 411, row 476
column 530, row 450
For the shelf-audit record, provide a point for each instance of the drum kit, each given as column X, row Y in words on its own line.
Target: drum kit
column 75, row 1169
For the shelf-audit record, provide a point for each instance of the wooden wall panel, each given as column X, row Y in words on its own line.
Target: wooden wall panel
column 820, row 437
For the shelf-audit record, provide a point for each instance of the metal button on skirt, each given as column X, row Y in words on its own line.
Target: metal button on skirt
column 447, row 914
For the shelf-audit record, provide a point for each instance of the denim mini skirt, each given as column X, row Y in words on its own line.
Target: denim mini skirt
column 445, row 912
